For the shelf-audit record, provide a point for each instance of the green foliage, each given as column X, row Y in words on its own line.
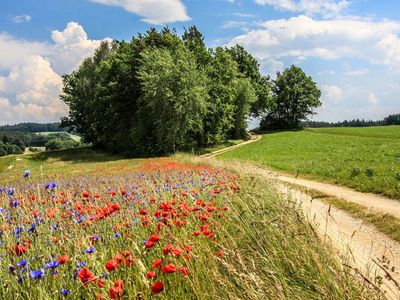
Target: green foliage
column 296, row 97
column 174, row 95
column 160, row 93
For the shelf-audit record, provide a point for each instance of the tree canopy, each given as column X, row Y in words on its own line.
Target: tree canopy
column 296, row 97
column 161, row 92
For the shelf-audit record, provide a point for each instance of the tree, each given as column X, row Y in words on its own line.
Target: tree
column 174, row 97
column 249, row 68
column 296, row 97
column 245, row 97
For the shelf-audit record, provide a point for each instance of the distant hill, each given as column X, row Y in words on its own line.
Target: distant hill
column 33, row 127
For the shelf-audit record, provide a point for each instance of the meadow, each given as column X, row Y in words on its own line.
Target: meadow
column 366, row 159
column 86, row 225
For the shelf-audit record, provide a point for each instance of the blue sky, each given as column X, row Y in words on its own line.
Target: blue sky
column 351, row 48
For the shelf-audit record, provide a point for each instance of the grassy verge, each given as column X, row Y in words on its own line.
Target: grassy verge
column 367, row 159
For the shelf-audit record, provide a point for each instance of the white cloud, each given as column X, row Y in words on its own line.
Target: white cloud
column 152, row 11
column 12, row 49
column 30, row 90
column 356, row 72
column 301, row 37
column 331, row 92
column 309, row 7
column 70, row 47
column 21, row 19
column 372, row 98
column 390, row 46
column 235, row 24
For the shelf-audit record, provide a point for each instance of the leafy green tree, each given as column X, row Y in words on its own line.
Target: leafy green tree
column 249, row 68
column 174, row 96
column 245, row 97
column 296, row 97
column 222, row 80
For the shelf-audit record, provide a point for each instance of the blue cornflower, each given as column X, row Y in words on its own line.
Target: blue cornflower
column 52, row 264
column 80, row 264
column 36, row 274
column 22, row 263
column 27, row 173
column 65, row 292
column 90, row 250
column 10, row 191
column 32, row 228
column 117, row 235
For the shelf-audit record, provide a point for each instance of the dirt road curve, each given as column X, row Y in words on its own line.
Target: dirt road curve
column 254, row 138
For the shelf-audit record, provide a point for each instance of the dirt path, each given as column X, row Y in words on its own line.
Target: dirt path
column 254, row 138
column 360, row 246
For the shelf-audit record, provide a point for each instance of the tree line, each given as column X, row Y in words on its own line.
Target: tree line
column 33, row 127
column 393, row 119
column 15, row 142
column 161, row 92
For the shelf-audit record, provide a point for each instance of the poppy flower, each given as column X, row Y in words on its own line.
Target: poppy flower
column 156, row 263
column 150, row 274
column 167, row 269
column 154, row 238
column 86, row 276
column 168, row 249
column 112, row 264
column 157, row 287
column 20, row 249
column 149, row 244
column 117, row 290
column 63, row 259
column 184, row 271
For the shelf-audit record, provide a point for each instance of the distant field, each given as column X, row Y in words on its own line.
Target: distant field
column 367, row 159
column 76, row 138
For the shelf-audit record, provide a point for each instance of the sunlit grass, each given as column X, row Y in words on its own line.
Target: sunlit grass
column 367, row 159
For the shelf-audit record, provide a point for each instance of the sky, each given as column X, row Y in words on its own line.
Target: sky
column 351, row 48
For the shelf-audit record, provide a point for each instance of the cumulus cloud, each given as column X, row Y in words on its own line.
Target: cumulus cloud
column 325, row 8
column 301, row 37
column 30, row 89
column 331, row 92
column 152, row 11
column 70, row 47
column 21, row 19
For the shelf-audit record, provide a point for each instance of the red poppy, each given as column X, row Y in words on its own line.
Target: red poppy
column 101, row 283
column 154, row 238
column 168, row 249
column 20, row 249
column 85, row 195
column 157, row 287
column 86, row 276
column 112, row 264
column 63, row 259
column 220, row 253
column 149, row 244
column 170, row 268
column 150, row 274
column 184, row 271
column 156, row 263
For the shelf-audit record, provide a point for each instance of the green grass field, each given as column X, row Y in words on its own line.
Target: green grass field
column 367, row 159
column 75, row 137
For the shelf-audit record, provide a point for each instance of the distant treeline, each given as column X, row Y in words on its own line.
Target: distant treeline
column 33, row 127
column 15, row 142
column 389, row 120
